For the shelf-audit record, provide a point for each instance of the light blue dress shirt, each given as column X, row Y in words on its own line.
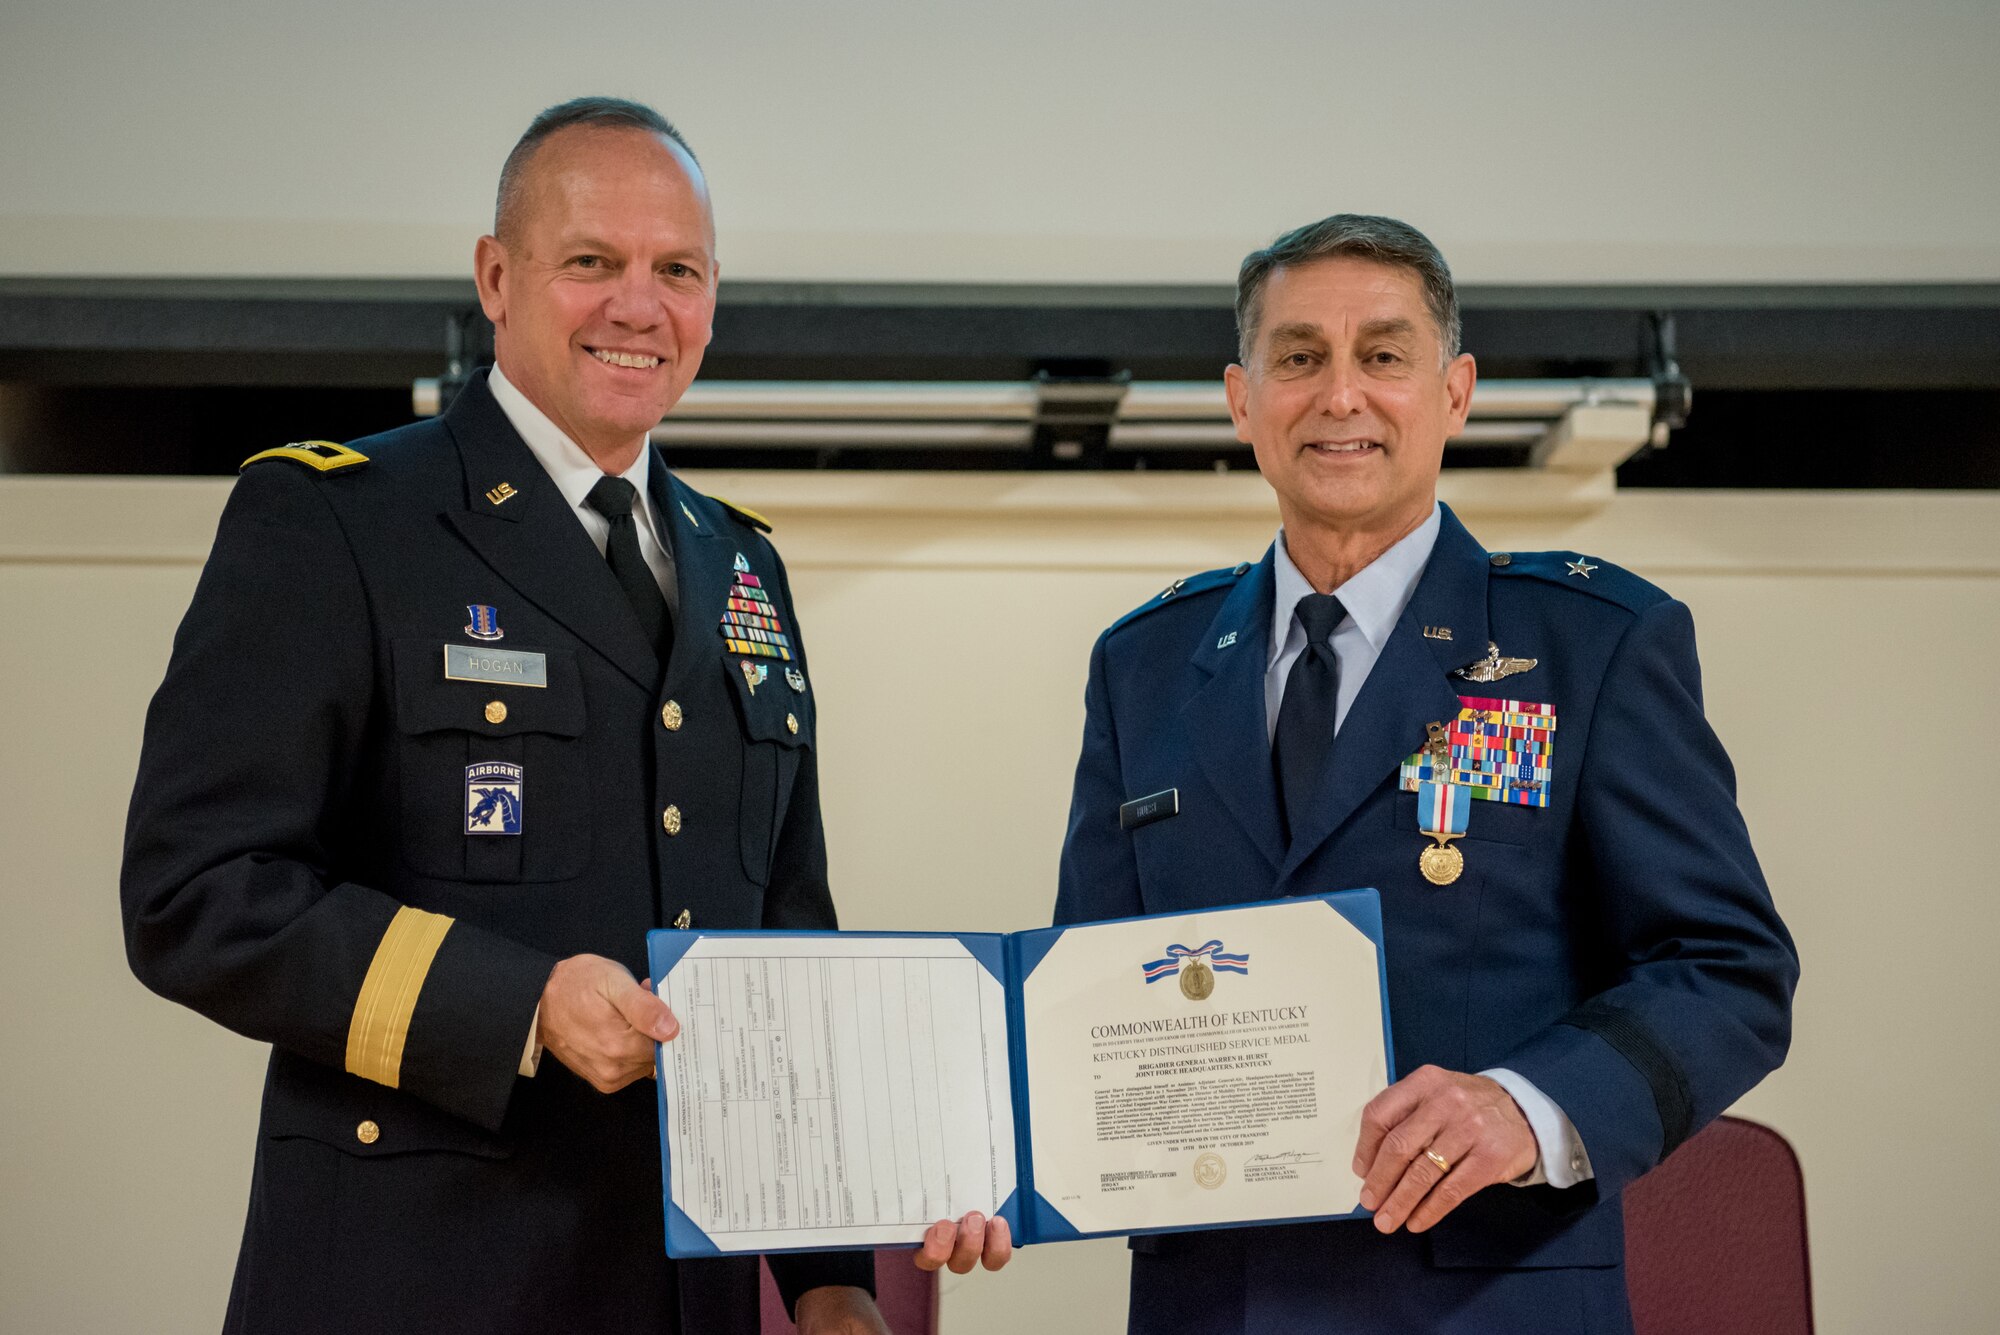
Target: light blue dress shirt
column 1375, row 597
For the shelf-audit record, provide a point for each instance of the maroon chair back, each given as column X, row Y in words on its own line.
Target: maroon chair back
column 907, row 1296
column 1715, row 1237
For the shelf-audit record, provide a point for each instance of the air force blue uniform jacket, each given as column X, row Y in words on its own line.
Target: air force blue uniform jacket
column 1617, row 947
column 301, row 866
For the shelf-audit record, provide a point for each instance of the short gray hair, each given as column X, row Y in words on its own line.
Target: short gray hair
column 1359, row 236
column 604, row 113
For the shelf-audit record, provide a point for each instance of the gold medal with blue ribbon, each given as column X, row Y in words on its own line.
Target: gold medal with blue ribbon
column 1442, row 812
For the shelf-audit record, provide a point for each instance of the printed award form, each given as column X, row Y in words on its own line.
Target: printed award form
column 1191, row 1070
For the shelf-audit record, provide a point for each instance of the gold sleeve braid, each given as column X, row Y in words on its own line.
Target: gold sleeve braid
column 381, row 1023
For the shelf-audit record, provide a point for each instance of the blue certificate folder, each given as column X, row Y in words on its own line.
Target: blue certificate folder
column 1190, row 950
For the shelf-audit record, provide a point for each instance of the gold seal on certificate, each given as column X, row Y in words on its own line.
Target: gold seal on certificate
column 1197, row 980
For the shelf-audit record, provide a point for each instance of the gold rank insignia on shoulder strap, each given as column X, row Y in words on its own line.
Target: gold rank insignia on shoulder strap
column 323, row 455
column 750, row 516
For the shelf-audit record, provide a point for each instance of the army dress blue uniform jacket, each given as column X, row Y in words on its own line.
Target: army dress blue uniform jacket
column 297, row 867
column 1618, row 948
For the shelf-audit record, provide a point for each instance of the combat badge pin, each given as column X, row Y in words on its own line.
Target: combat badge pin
column 493, row 798
column 795, row 679
column 485, row 622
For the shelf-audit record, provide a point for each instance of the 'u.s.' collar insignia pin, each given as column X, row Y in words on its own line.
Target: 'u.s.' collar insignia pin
column 1437, row 632
column 690, row 514
column 1226, row 640
column 485, row 623
column 741, row 564
column 500, row 493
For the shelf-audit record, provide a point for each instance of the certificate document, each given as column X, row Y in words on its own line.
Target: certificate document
column 1192, row 1070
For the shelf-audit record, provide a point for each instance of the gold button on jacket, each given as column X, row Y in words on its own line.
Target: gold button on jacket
column 496, row 712
column 368, row 1133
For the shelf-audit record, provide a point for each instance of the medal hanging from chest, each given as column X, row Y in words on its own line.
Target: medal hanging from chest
column 1494, row 751
column 1442, row 812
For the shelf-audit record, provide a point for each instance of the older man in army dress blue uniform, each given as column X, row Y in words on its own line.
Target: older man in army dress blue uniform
column 458, row 714
column 1584, row 964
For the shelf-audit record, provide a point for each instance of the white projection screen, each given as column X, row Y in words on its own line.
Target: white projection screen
column 1126, row 141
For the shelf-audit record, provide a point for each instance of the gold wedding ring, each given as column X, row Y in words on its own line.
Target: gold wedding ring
column 1444, row 1164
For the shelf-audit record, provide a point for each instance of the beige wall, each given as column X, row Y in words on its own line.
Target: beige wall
column 1035, row 140
column 1848, row 642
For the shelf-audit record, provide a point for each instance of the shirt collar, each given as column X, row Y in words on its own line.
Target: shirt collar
column 1374, row 596
column 573, row 471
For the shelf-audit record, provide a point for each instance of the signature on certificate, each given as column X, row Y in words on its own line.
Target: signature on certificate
column 1288, row 1157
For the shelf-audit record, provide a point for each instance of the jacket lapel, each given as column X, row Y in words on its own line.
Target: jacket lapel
column 533, row 542
column 703, row 565
column 1409, row 686
column 1224, row 717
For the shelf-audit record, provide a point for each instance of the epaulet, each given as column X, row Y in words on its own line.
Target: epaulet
column 1581, row 574
column 748, row 516
column 1182, row 589
column 323, row 455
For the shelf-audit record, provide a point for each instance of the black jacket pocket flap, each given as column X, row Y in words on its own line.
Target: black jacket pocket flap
column 426, row 701
column 773, row 710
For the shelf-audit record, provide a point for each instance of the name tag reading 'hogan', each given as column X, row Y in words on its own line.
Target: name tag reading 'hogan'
column 498, row 667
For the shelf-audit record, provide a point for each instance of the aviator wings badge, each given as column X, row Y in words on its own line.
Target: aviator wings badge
column 1493, row 667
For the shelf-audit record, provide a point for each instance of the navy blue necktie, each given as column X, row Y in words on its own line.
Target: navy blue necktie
column 1304, row 737
column 612, row 497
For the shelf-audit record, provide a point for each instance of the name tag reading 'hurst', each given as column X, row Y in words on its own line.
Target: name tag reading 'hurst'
column 1145, row 810
column 498, row 667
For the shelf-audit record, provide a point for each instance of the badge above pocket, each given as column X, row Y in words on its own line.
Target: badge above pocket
column 773, row 709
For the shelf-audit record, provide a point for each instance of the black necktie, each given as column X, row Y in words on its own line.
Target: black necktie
column 1304, row 737
column 612, row 497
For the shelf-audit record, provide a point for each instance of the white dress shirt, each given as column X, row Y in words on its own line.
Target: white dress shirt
column 574, row 474
column 1374, row 598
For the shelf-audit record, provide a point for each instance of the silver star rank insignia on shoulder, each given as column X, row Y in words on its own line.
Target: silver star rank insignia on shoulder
column 1581, row 566
column 1493, row 667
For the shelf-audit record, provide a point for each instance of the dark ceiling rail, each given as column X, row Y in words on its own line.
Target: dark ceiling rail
column 379, row 332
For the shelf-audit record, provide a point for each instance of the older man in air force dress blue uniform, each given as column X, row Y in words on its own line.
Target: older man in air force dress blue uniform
column 1584, row 964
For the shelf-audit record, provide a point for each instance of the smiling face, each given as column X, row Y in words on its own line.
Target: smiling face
column 602, row 297
column 1344, row 398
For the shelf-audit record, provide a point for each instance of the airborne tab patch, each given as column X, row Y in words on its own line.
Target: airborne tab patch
column 493, row 797
column 322, row 455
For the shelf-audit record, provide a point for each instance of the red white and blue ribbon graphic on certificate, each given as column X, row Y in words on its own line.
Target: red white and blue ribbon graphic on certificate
column 1212, row 951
